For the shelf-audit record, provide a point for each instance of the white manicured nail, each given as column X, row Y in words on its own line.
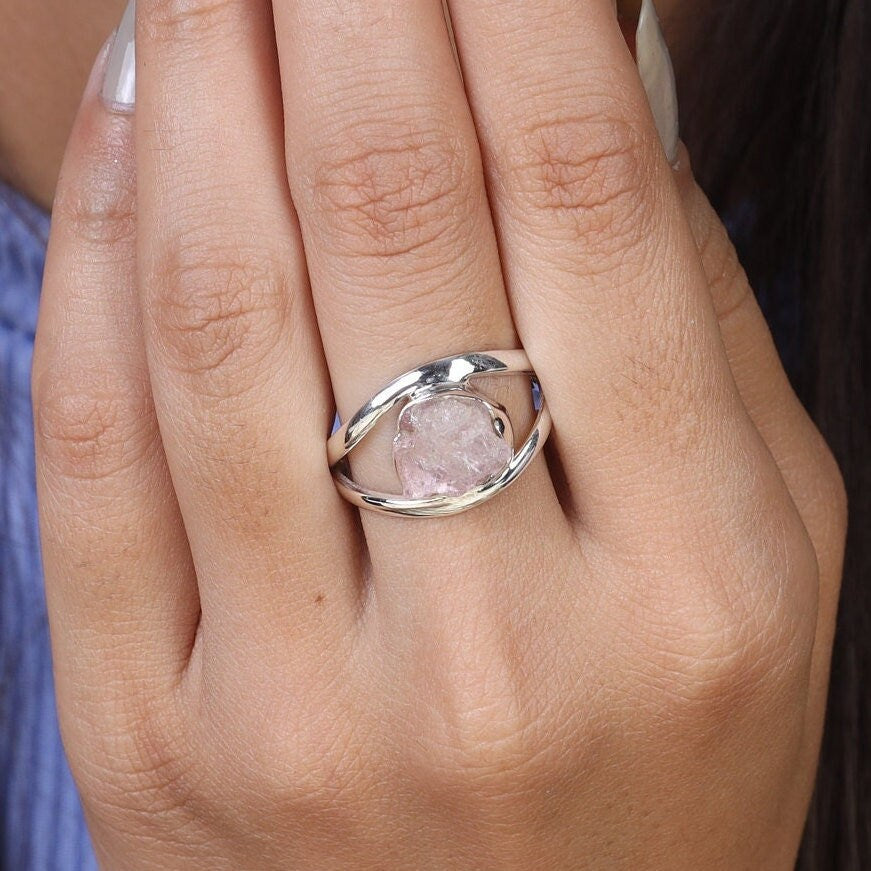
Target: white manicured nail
column 657, row 75
column 119, row 86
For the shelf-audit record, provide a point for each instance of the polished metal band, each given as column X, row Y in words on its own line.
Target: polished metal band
column 449, row 376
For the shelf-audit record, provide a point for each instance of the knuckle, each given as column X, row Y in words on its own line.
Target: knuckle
column 175, row 21
column 485, row 745
column 712, row 671
column 583, row 177
column 742, row 670
column 728, row 283
column 98, row 208
column 837, row 498
column 495, row 757
column 735, row 637
column 216, row 316
column 723, row 679
column 160, row 764
column 143, row 764
column 485, row 735
column 89, row 428
column 315, row 753
column 831, row 486
column 387, row 194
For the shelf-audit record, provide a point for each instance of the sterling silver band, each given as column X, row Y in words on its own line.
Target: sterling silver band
column 449, row 376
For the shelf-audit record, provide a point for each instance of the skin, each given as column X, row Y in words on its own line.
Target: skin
column 46, row 53
column 620, row 662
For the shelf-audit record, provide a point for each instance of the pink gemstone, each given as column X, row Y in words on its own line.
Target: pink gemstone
column 446, row 446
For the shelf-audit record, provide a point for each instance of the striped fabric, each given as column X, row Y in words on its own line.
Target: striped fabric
column 41, row 822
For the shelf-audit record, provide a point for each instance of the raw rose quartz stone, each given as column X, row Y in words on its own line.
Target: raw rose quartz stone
column 447, row 445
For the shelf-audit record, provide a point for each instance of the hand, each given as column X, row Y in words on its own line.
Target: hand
column 619, row 663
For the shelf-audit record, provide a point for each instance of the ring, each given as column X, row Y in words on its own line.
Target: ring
column 454, row 447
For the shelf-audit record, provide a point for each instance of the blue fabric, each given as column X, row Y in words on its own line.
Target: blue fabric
column 41, row 823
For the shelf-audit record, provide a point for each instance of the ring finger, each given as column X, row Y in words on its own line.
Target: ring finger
column 625, row 335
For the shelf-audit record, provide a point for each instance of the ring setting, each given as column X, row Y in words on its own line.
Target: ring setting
column 453, row 447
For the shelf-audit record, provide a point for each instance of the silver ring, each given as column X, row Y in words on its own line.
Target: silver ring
column 454, row 447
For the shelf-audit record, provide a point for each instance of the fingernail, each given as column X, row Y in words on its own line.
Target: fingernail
column 657, row 75
column 119, row 86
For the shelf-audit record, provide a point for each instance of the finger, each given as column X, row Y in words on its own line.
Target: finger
column 121, row 591
column 801, row 454
column 239, row 384
column 386, row 174
column 604, row 277
column 804, row 460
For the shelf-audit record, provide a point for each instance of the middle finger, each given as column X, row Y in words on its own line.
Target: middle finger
column 386, row 175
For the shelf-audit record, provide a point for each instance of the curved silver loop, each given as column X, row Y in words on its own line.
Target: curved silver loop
column 449, row 375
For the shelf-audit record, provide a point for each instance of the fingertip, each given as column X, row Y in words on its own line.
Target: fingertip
column 97, row 101
column 94, row 202
column 94, row 197
column 118, row 90
column 93, row 216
